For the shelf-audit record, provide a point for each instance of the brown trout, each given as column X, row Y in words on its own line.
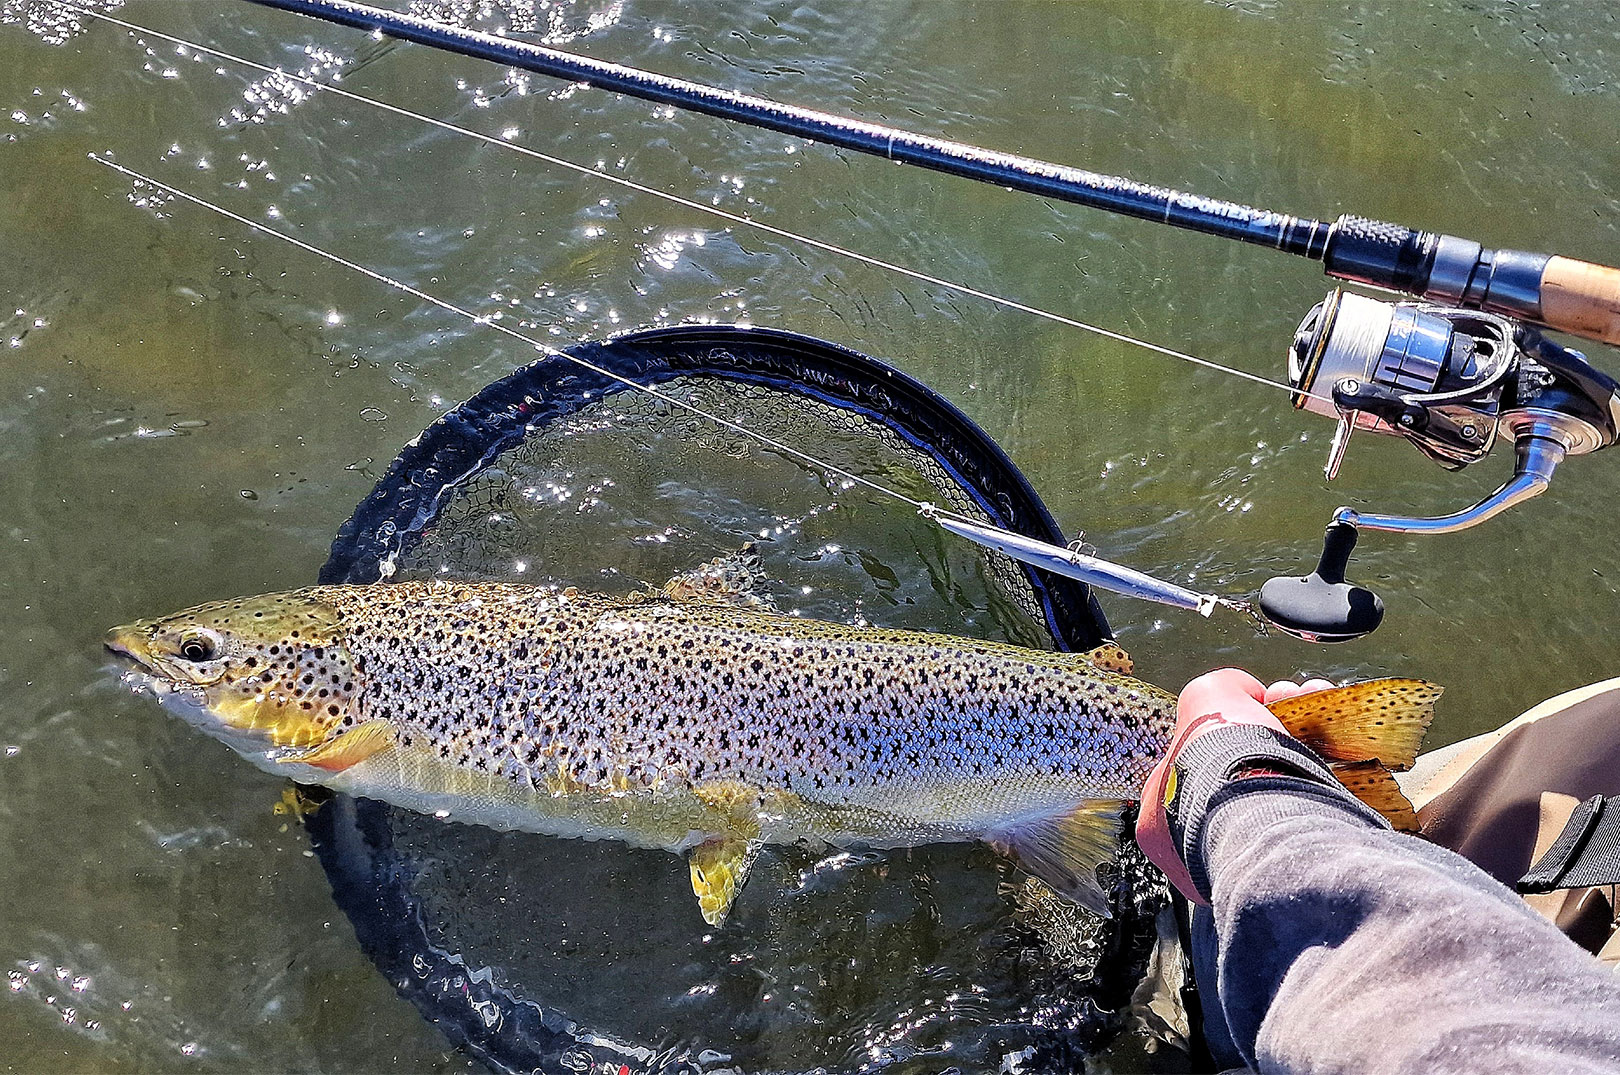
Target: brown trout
column 693, row 720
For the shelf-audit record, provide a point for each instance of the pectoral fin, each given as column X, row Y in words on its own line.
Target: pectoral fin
column 348, row 748
column 1064, row 849
column 719, row 868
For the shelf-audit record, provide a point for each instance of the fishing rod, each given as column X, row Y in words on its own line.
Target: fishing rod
column 1447, row 374
column 1443, row 377
column 1559, row 292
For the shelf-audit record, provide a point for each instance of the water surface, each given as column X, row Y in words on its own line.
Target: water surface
column 188, row 411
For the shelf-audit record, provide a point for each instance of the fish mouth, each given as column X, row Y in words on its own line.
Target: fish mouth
column 139, row 671
column 130, row 644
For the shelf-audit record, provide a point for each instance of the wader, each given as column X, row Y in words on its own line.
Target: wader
column 1536, row 804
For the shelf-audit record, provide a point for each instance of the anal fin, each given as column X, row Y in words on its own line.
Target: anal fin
column 1382, row 720
column 348, row 748
column 719, row 867
column 1064, row 849
column 1375, row 785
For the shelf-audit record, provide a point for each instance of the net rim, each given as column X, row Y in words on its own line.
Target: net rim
column 353, row 838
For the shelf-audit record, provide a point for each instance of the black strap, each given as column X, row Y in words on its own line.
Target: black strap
column 1585, row 855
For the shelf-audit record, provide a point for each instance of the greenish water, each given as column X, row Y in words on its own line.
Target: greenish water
column 188, row 411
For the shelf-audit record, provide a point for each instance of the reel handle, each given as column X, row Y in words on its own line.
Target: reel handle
column 1581, row 297
column 1322, row 606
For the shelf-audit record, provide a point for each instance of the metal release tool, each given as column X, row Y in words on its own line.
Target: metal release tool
column 1074, row 564
column 1451, row 382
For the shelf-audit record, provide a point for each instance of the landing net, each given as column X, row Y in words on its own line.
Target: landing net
column 539, row 953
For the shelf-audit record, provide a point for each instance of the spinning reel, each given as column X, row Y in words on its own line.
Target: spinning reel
column 1451, row 382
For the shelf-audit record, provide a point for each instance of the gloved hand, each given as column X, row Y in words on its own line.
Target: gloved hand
column 1227, row 697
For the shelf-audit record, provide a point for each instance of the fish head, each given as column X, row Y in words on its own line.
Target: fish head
column 262, row 673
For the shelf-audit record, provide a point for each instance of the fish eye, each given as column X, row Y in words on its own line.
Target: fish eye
column 198, row 648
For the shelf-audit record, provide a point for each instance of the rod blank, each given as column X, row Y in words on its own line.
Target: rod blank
column 1561, row 293
column 1116, row 194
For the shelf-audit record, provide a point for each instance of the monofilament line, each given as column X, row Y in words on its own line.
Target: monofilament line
column 539, row 345
column 714, row 211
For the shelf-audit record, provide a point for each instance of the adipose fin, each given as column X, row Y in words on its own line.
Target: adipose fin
column 1109, row 657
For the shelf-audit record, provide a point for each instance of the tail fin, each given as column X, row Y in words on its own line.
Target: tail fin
column 1382, row 720
column 1375, row 785
column 1065, row 849
column 1376, row 726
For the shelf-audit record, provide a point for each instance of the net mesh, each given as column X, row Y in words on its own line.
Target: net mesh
column 924, row 959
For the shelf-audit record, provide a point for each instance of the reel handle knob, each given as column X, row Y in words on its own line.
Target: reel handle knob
column 1322, row 606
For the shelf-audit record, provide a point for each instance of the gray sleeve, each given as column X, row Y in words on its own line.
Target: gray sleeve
column 1334, row 944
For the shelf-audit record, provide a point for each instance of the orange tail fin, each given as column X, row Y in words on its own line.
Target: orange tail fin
column 1370, row 729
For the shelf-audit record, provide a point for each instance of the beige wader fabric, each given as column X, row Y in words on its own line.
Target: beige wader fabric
column 1501, row 799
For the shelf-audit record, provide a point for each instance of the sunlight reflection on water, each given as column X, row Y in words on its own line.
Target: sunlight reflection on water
column 189, row 412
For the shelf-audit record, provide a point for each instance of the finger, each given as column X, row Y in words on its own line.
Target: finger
column 1231, row 691
column 1287, row 688
column 1226, row 681
column 1283, row 688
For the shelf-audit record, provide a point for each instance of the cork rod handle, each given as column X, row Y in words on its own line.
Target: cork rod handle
column 1580, row 297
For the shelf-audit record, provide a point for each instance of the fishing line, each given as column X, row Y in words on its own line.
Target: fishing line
column 925, row 507
column 1071, row 561
column 832, row 248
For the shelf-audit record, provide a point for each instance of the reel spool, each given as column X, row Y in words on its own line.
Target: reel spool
column 1431, row 374
column 1451, row 382
column 537, row 953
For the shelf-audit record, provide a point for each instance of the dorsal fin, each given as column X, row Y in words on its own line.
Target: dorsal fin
column 732, row 579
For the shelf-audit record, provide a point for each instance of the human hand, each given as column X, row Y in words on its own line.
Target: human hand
column 1216, row 699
